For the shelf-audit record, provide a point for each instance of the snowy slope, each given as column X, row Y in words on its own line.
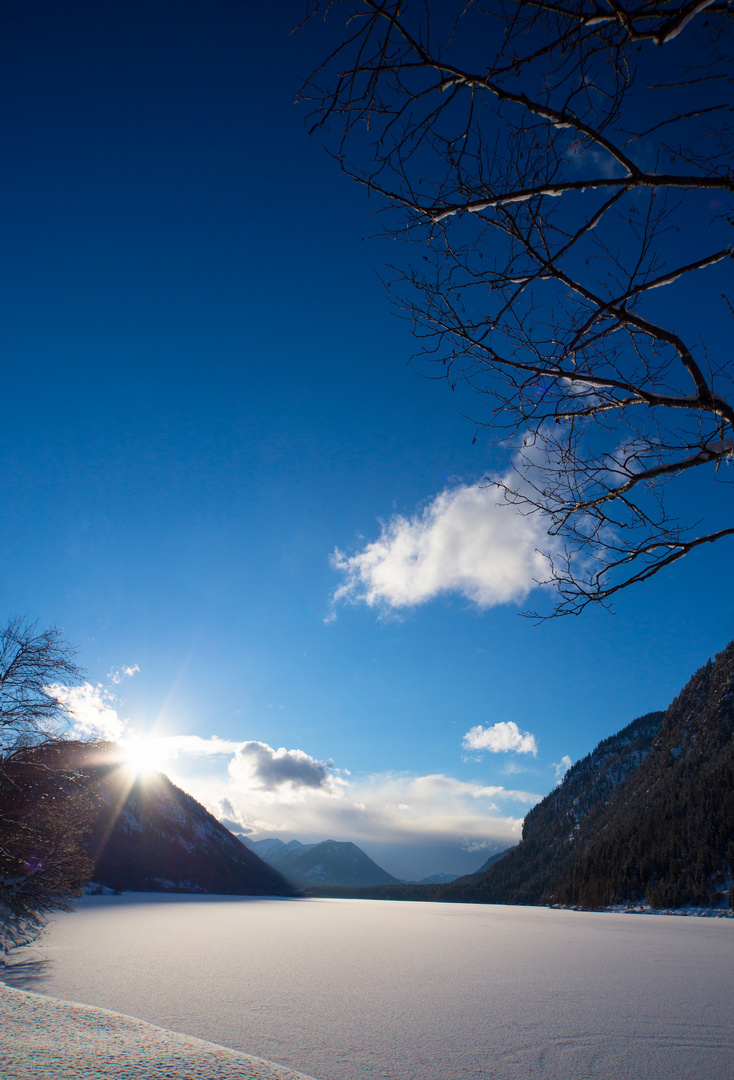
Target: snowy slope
column 41, row 1036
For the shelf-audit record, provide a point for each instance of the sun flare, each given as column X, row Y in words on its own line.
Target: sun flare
column 141, row 757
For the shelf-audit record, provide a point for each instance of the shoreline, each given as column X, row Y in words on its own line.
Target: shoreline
column 43, row 1035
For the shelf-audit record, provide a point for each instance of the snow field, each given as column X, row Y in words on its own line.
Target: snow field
column 366, row 990
column 42, row 1037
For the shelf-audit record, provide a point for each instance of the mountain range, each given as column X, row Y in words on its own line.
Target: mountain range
column 148, row 835
column 647, row 818
column 332, row 862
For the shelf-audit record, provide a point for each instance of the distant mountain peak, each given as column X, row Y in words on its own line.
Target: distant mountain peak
column 330, row 862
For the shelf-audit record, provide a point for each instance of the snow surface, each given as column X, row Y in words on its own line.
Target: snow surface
column 44, row 1037
column 367, row 990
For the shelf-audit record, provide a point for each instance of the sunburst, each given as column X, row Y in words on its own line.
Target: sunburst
column 141, row 757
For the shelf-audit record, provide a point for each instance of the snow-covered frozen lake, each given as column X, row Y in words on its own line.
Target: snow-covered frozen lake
column 366, row 990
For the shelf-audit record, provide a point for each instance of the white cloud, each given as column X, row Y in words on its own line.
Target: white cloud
column 258, row 764
column 467, row 540
column 502, row 737
column 92, row 710
column 116, row 675
column 562, row 767
column 412, row 825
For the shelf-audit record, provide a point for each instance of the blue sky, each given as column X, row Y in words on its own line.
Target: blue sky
column 205, row 395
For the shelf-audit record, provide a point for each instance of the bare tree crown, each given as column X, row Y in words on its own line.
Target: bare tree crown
column 565, row 170
column 30, row 662
column 44, row 810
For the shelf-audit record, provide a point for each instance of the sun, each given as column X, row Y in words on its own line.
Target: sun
column 141, row 757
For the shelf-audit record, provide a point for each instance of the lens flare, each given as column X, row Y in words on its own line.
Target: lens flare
column 141, row 757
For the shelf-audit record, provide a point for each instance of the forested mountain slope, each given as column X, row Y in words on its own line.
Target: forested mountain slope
column 648, row 816
column 150, row 836
column 163, row 840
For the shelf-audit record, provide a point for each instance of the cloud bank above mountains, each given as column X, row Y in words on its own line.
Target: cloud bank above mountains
column 402, row 821
column 413, row 825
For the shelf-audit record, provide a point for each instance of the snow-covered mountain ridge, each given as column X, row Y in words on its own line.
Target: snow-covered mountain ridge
column 331, row 862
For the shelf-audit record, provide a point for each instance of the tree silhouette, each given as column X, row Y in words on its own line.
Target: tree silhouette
column 562, row 170
column 44, row 810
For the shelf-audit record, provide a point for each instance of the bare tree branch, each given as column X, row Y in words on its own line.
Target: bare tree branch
column 30, row 661
column 44, row 811
column 567, row 166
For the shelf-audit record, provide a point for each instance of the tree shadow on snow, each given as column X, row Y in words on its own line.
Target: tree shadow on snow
column 26, row 974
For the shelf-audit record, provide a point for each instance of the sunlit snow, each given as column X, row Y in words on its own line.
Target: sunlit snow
column 41, row 1036
column 361, row 990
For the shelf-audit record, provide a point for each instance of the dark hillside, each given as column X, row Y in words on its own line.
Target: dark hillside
column 150, row 836
column 527, row 874
column 667, row 836
column 647, row 817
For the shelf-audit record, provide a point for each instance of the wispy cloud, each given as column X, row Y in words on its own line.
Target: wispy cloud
column 513, row 767
column 193, row 746
column 478, row 845
column 116, row 675
column 92, row 710
column 502, row 737
column 562, row 767
column 584, row 159
column 466, row 541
